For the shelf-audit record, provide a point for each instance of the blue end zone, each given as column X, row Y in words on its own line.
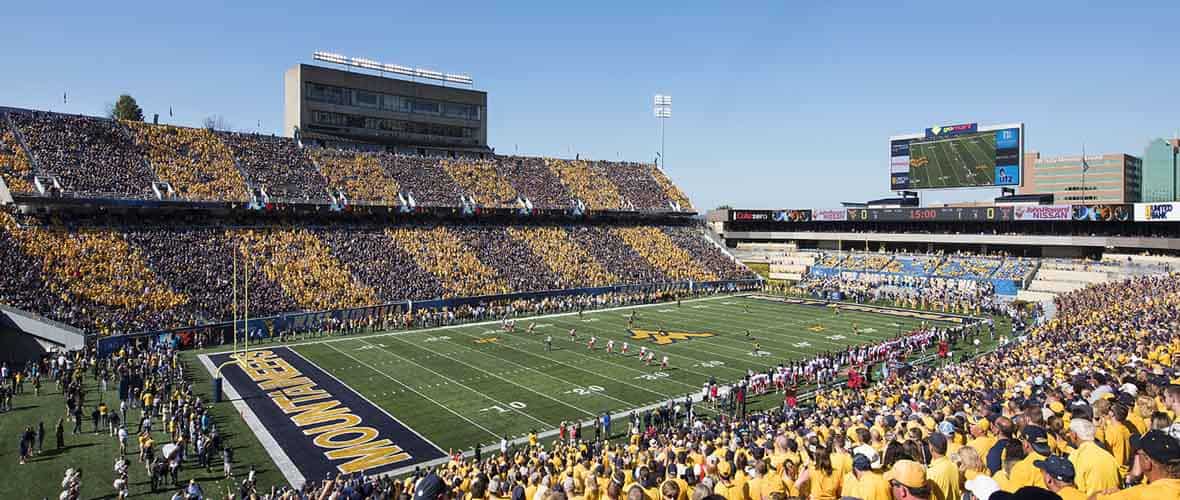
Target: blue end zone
column 323, row 426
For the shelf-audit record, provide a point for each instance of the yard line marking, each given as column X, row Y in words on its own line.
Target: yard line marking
column 415, row 391
column 567, row 365
column 481, row 370
column 444, row 377
column 606, row 358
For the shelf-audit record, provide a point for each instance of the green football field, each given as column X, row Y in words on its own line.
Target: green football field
column 458, row 386
column 961, row 161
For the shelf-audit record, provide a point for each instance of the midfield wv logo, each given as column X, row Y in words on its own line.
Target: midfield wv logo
column 665, row 338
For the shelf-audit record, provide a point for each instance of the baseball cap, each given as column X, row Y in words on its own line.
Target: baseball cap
column 1160, row 447
column 429, row 488
column 1037, row 438
column 946, row 428
column 909, row 473
column 861, row 463
column 871, row 458
column 1059, row 467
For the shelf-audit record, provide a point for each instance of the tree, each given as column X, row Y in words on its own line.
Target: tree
column 724, row 207
column 126, row 109
column 217, row 122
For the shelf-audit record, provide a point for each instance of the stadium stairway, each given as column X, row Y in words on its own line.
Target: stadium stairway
column 5, row 195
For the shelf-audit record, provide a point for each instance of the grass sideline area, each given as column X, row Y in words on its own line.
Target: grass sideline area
column 470, row 370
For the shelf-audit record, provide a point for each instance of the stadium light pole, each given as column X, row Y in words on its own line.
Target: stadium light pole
column 663, row 111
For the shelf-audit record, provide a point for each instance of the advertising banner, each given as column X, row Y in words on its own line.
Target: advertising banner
column 1157, row 212
column 792, row 215
column 829, row 214
column 1104, row 213
column 750, row 215
column 1042, row 212
column 951, row 130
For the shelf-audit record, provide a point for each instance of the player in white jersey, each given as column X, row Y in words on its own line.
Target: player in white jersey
column 573, row 334
column 664, row 362
column 590, row 344
column 610, row 346
column 626, row 347
column 642, row 352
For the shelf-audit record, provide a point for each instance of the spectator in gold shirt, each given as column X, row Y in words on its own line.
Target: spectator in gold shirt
column 1059, row 477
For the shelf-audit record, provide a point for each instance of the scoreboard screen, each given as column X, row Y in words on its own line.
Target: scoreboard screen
column 957, row 156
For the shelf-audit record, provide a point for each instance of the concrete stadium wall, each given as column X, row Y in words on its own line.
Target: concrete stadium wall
column 1072, row 276
column 1031, row 296
column 788, row 268
column 1038, row 285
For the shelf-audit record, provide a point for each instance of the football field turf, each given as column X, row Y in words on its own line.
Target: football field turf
column 962, row 161
column 453, row 387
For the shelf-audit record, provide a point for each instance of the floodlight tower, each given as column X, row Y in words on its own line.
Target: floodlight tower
column 663, row 110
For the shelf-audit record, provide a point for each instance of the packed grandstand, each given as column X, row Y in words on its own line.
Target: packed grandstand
column 134, row 236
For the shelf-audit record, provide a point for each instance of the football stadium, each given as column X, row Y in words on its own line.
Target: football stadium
column 375, row 303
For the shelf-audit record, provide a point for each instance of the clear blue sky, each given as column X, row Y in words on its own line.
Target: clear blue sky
column 780, row 104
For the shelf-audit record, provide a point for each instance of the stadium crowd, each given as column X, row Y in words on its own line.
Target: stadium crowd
column 637, row 185
column 533, row 177
column 674, row 193
column 91, row 156
column 359, row 175
column 575, row 266
column 105, row 158
column 481, row 181
column 967, row 266
column 659, row 249
column 278, row 165
column 423, row 178
column 193, row 161
column 139, row 399
column 942, row 294
column 14, row 165
column 588, row 185
column 157, row 275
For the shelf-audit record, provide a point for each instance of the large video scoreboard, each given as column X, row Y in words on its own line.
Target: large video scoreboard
column 957, row 156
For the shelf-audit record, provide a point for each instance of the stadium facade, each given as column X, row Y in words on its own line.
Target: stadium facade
column 408, row 117
column 1109, row 178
